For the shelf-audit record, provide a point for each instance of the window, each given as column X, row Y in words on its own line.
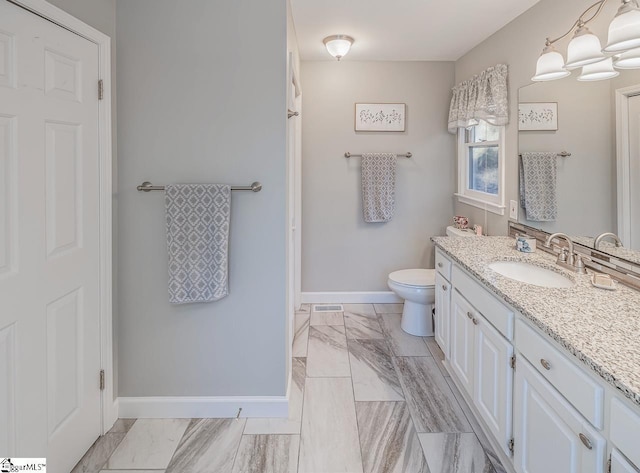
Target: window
column 481, row 166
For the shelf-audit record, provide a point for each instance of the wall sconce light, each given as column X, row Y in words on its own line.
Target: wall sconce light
column 338, row 45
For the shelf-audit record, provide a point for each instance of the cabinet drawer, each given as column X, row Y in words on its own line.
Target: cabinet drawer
column 443, row 264
column 500, row 316
column 576, row 386
column 625, row 430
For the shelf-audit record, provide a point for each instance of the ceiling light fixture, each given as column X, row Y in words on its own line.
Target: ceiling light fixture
column 338, row 45
column 584, row 49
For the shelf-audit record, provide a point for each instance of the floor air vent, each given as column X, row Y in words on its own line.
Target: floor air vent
column 328, row 308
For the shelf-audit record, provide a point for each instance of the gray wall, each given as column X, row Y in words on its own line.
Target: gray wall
column 339, row 251
column 519, row 44
column 201, row 98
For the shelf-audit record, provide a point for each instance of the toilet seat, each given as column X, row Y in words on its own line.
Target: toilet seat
column 414, row 277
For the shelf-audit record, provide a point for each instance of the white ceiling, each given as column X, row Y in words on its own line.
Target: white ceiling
column 401, row 30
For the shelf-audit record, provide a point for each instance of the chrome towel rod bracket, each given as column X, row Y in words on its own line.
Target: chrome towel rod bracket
column 146, row 186
column 406, row 155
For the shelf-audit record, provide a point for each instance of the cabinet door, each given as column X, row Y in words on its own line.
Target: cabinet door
column 493, row 381
column 462, row 340
column 619, row 464
column 443, row 311
column 549, row 434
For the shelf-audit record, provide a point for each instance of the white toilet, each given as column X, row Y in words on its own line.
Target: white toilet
column 417, row 288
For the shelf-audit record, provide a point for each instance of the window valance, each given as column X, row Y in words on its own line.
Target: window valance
column 483, row 97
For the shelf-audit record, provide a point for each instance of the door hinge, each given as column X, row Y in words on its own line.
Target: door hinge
column 100, row 89
column 513, row 362
column 101, row 380
column 609, row 464
column 510, row 446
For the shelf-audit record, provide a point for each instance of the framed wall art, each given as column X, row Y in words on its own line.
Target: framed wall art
column 538, row 116
column 380, row 117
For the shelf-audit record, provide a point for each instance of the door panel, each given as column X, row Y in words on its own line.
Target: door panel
column 462, row 340
column 493, row 381
column 63, row 187
column 7, row 63
column 443, row 313
column 8, row 164
column 49, row 240
column 7, row 388
column 619, row 464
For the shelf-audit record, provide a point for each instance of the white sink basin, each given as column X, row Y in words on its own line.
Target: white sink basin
column 530, row 274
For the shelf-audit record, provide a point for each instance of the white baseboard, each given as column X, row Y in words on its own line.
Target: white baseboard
column 184, row 407
column 381, row 297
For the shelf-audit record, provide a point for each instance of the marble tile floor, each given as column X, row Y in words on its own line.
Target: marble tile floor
column 366, row 398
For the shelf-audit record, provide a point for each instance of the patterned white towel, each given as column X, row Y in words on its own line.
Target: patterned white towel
column 378, row 186
column 538, row 186
column 198, row 241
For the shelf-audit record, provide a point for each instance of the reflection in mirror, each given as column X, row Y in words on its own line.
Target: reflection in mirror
column 586, row 182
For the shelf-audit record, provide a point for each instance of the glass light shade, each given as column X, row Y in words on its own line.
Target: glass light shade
column 583, row 49
column 338, row 45
column 550, row 66
column 628, row 60
column 624, row 29
column 598, row 71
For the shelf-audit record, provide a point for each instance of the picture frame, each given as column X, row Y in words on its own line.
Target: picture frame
column 538, row 116
column 380, row 116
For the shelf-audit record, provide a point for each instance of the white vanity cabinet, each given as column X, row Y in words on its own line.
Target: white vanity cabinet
column 550, row 435
column 480, row 357
column 443, row 302
column 543, row 410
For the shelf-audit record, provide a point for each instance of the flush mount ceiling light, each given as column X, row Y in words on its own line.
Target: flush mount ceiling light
column 338, row 45
column 584, row 49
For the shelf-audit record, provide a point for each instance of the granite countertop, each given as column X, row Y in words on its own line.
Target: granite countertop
column 599, row 327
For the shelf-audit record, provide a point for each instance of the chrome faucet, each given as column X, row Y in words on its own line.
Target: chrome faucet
column 571, row 260
column 602, row 236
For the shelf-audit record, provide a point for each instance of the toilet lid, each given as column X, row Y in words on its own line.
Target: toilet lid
column 414, row 277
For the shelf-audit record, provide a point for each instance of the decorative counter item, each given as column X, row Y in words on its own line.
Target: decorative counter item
column 478, row 229
column 603, row 281
column 526, row 244
column 461, row 222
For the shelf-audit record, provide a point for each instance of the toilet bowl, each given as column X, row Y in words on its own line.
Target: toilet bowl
column 417, row 288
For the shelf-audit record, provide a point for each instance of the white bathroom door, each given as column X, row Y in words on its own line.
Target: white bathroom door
column 49, row 241
column 294, row 175
column 634, row 171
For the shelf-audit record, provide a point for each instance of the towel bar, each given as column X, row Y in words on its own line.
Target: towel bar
column 147, row 187
column 407, row 155
column 562, row 154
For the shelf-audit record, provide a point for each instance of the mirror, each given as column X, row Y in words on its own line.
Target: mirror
column 587, row 180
